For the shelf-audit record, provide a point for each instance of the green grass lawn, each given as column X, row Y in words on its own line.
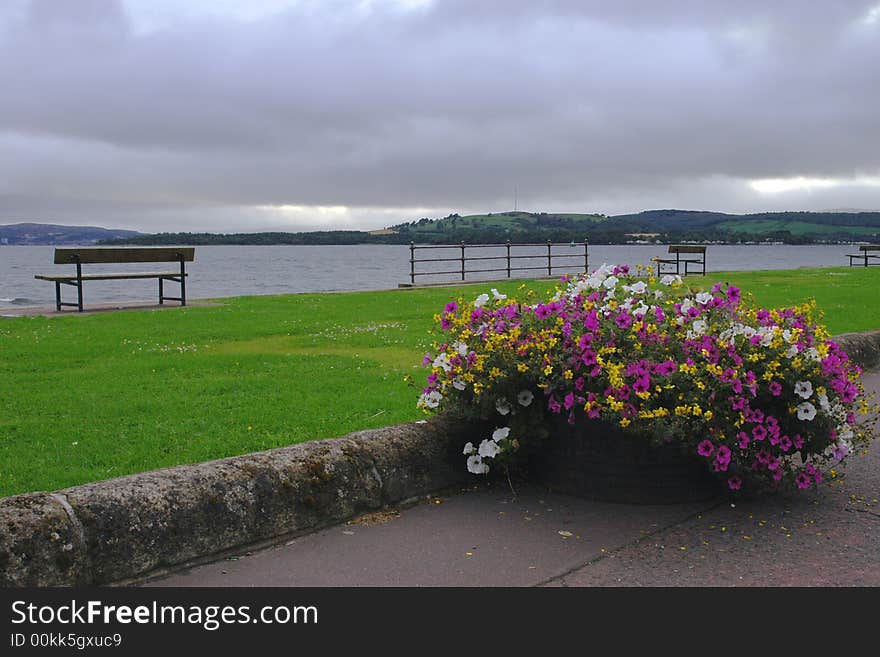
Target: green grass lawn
column 90, row 397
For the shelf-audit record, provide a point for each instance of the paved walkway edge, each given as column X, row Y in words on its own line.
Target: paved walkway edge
column 126, row 528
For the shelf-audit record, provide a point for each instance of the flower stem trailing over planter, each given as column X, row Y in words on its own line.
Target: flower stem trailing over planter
column 760, row 395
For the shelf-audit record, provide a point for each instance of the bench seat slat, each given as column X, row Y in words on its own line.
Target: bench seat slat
column 107, row 277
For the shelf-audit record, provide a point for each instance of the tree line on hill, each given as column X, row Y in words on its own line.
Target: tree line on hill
column 663, row 226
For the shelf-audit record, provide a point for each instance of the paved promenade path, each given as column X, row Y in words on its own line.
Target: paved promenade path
column 483, row 537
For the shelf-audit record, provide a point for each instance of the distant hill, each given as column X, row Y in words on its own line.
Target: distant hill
column 655, row 225
column 50, row 234
column 661, row 226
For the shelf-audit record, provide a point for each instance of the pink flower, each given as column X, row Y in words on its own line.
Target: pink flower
column 705, row 448
column 623, row 320
column 733, row 295
column 803, row 480
column 735, row 482
column 775, row 388
column 743, row 440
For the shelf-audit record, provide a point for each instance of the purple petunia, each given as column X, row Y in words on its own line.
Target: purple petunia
column 705, row 448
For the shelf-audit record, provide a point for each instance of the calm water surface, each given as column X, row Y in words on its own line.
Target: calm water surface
column 224, row 271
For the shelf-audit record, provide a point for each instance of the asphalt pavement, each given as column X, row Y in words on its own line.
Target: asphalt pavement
column 486, row 536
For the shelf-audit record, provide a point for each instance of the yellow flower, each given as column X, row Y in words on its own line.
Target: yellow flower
column 568, row 375
column 625, row 422
column 522, row 367
column 548, row 370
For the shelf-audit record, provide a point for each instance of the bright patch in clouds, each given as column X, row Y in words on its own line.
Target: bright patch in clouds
column 801, row 183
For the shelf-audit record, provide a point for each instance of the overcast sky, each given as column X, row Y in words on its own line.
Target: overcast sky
column 226, row 115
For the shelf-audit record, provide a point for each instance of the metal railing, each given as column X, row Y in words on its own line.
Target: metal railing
column 510, row 258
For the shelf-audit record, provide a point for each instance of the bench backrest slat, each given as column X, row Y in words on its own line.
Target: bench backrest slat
column 109, row 254
column 682, row 248
column 869, row 247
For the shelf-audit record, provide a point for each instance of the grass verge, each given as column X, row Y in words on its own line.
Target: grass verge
column 85, row 398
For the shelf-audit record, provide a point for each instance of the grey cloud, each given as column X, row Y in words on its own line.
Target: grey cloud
column 448, row 106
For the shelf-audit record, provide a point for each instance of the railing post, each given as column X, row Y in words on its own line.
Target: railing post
column 549, row 259
column 462, row 260
column 586, row 259
column 412, row 263
column 508, row 258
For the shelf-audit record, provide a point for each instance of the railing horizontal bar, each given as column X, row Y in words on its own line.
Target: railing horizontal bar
column 432, row 273
column 439, row 259
column 494, row 245
column 535, row 256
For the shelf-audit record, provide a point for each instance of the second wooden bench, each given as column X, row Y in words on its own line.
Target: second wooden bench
column 693, row 254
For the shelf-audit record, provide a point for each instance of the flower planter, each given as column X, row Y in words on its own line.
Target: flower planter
column 598, row 461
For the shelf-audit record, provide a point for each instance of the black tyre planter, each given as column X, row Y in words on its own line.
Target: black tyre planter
column 598, row 461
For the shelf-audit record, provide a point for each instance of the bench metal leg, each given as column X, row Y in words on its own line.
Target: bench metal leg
column 58, row 296
column 181, row 280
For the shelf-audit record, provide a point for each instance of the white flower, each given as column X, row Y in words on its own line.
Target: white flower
column 805, row 411
column 498, row 296
column 430, row 399
column 442, row 362
column 670, row 279
column 525, row 397
column 594, row 282
column 475, row 465
column 698, row 327
column 686, row 305
column 500, row 434
column 610, row 283
column 792, row 351
column 481, row 300
column 703, row 298
column 803, row 389
column 658, row 294
column 460, row 347
column 458, row 383
column 636, row 288
column 489, row 449
column 502, row 406
column 823, row 402
column 468, row 449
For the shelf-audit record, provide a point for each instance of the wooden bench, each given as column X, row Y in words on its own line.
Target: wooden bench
column 865, row 255
column 698, row 253
column 116, row 255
